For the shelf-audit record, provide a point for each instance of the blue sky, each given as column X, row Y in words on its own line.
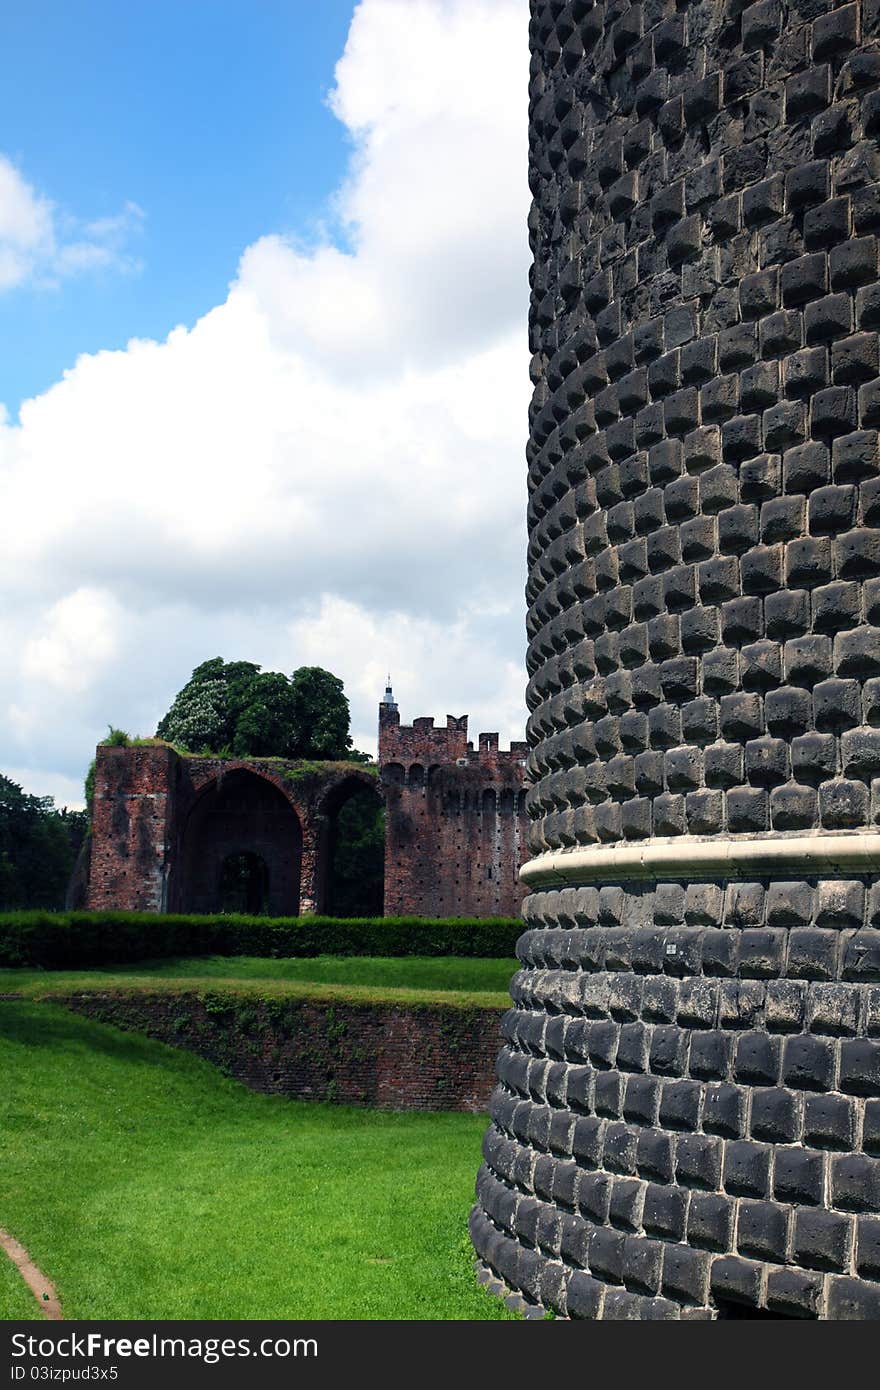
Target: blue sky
column 263, row 296
column 210, row 115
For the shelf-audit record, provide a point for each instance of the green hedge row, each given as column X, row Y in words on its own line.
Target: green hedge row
column 68, row 940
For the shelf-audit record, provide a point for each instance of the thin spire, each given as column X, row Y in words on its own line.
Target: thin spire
column 388, row 697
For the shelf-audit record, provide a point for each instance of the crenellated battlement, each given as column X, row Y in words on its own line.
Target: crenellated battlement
column 432, row 745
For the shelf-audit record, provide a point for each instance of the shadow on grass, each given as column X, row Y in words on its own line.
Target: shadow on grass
column 49, row 1026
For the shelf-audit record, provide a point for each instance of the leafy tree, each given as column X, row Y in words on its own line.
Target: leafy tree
column 236, row 708
column 264, row 717
column 201, row 717
column 38, row 847
column 321, row 714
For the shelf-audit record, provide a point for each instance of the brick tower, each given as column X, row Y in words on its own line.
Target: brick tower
column 455, row 818
column 688, row 1117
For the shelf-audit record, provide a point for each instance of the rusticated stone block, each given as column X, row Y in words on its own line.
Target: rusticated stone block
column 737, row 1092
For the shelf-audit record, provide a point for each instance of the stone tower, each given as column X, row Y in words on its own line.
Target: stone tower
column 687, row 1121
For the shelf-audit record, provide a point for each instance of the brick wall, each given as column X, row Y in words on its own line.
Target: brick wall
column 686, row 1124
column 131, row 828
column 456, row 825
column 380, row 1055
column 163, row 825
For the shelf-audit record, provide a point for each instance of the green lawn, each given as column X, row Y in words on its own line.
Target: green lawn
column 16, row 1299
column 146, row 1184
column 474, row 981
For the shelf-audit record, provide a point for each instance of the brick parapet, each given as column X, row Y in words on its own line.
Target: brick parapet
column 432, row 745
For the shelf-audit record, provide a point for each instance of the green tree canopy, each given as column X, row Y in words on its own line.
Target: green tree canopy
column 38, row 846
column 234, row 707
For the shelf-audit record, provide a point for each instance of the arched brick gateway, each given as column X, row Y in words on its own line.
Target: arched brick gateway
column 164, row 824
column 332, row 795
column 239, row 815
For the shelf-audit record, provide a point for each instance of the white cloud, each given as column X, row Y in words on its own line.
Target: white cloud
column 434, row 94
column 40, row 245
column 461, row 667
column 77, row 639
column 325, row 469
column 26, row 226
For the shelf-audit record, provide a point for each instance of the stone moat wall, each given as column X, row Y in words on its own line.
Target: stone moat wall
column 687, row 1120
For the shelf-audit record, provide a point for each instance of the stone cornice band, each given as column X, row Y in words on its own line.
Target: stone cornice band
column 692, row 857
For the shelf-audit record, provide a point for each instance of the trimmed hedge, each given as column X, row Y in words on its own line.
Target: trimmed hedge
column 69, row 940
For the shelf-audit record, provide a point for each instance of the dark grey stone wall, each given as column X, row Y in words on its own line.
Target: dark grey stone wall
column 687, row 1121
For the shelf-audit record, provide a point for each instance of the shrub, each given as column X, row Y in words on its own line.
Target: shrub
column 116, row 738
column 69, row 940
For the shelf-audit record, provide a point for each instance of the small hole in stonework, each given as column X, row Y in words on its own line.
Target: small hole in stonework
column 728, row 1309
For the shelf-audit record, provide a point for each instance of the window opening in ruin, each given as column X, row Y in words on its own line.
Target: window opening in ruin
column 244, row 884
column 355, row 850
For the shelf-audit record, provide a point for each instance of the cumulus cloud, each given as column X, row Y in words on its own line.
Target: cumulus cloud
column 435, row 666
column 40, row 245
column 327, row 468
column 433, row 93
column 86, row 621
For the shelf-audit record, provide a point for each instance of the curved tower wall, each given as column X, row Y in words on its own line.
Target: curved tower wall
column 687, row 1121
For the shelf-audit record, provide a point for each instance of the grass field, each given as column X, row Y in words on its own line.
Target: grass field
column 472, row 981
column 145, row 1184
column 16, row 1299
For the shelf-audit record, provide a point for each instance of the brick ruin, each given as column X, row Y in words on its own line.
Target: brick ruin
column 687, row 1121
column 166, row 825
column 456, row 827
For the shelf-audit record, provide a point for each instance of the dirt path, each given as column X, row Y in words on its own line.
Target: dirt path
column 41, row 1288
